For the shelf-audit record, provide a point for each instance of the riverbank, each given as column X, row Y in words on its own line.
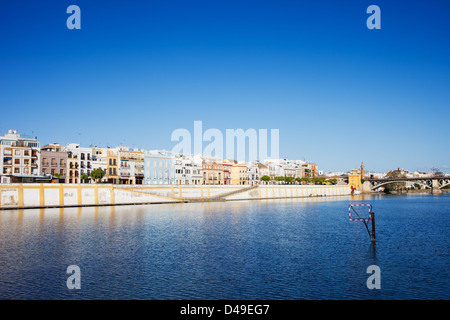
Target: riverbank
column 35, row 196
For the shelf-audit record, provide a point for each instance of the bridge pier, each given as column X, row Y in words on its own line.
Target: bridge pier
column 435, row 187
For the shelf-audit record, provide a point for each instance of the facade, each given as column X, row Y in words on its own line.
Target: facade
column 73, row 175
column 100, row 161
column 188, row 170
column 19, row 157
column 159, row 167
column 310, row 170
column 54, row 162
column 227, row 170
column 253, row 175
column 239, row 174
column 354, row 178
column 81, row 160
column 131, row 165
column 212, row 173
column 112, row 172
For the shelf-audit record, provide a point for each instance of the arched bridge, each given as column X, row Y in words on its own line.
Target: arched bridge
column 433, row 183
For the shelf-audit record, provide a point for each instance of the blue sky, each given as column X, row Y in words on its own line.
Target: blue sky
column 137, row 70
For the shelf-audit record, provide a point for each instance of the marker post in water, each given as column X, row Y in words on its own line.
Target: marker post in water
column 356, row 212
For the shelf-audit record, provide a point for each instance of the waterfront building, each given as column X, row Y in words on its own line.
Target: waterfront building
column 73, row 175
column 188, row 170
column 239, row 173
column 253, row 175
column 263, row 171
column 354, row 178
column 131, row 165
column 159, row 167
column 112, row 172
column 212, row 173
column 19, row 157
column 81, row 160
column 54, row 162
column 100, row 161
column 227, row 172
column 310, row 170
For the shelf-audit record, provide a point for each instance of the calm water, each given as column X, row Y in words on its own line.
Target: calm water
column 276, row 249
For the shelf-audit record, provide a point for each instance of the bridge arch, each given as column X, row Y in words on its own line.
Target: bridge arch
column 444, row 184
column 397, row 181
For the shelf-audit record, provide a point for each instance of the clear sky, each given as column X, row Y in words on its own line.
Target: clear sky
column 137, row 70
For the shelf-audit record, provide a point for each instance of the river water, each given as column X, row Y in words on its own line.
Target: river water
column 269, row 250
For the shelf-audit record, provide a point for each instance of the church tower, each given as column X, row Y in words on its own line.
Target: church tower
column 363, row 173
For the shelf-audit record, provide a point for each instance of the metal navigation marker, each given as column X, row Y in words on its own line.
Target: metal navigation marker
column 364, row 213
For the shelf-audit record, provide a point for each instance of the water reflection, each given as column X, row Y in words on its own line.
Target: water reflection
column 302, row 248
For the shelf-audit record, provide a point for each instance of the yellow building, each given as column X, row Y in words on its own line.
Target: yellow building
column 112, row 172
column 72, row 169
column 239, row 174
column 354, row 178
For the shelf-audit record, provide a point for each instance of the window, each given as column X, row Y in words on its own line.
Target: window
column 16, row 161
column 61, row 172
column 26, row 162
column 53, row 171
column 26, row 152
column 43, row 171
column 61, row 162
column 17, row 152
column 16, row 170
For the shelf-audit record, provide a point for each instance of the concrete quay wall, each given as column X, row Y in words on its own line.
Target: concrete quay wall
column 23, row 196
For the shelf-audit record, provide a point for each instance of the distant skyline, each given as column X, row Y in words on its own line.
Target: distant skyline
column 339, row 93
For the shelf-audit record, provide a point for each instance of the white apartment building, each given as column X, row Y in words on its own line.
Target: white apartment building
column 83, row 157
column 188, row 170
column 131, row 165
column 19, row 157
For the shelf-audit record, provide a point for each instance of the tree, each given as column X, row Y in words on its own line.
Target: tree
column 265, row 178
column 98, row 174
column 304, row 179
column 333, row 181
column 84, row 177
column 288, row 179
